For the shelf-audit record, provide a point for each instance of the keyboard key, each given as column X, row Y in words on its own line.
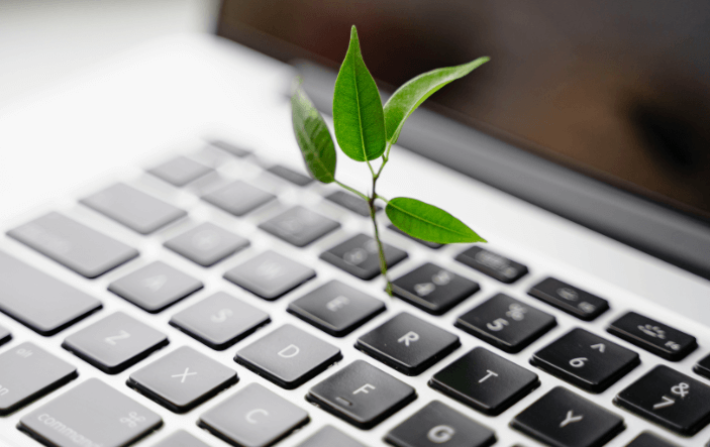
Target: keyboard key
column 648, row 439
column 439, row 424
column 485, row 381
column 115, row 343
column 253, row 417
column 359, row 256
column 135, row 209
column 506, row 323
column 90, row 414
column 336, row 308
column 351, row 202
column 181, row 438
column 237, row 151
column 670, row 399
column 155, row 286
column 220, row 320
column 330, row 436
column 560, row 418
column 5, row 336
column 270, row 275
column 492, row 264
column 182, row 379
column 75, row 246
column 433, row 289
column 299, row 226
column 570, row 299
column 39, row 301
column 288, row 356
column 657, row 338
column 408, row 344
column 290, row 175
column 180, row 171
column 434, row 245
column 238, row 198
column 586, row 360
column 703, row 367
column 361, row 395
column 207, row 244
column 28, row 372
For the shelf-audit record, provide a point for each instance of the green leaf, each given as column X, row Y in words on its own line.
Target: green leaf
column 357, row 108
column 409, row 96
column 427, row 222
column 313, row 137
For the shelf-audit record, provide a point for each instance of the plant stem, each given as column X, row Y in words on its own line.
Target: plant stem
column 353, row 190
column 380, row 248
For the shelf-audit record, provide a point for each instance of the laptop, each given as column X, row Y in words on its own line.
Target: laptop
column 175, row 278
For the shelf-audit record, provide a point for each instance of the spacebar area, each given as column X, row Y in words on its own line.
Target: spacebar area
column 39, row 301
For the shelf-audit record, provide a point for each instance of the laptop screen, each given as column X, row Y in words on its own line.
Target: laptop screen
column 619, row 90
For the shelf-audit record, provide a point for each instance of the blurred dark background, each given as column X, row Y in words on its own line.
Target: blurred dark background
column 617, row 89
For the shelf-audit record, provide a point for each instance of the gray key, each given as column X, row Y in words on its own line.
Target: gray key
column 5, row 336
column 270, row 275
column 207, row 244
column 91, row 414
column 351, row 202
column 180, row 171
column 39, row 301
column 330, row 436
column 238, row 198
column 28, row 372
column 133, row 208
column 288, row 356
column 299, row 226
column 231, row 148
column 115, row 343
column 290, row 175
column 220, row 320
column 254, row 417
column 155, row 286
column 182, row 379
column 74, row 245
column 181, row 438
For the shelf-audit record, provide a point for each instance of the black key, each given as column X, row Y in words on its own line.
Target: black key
column 703, row 367
column 28, row 372
column 5, row 336
column 336, row 308
column 361, row 395
column 270, row 275
column 408, row 344
column 586, row 360
column 351, row 202
column 39, row 301
column 492, row 264
column 570, row 299
column 330, row 436
column 75, row 246
column 155, row 287
column 238, row 198
column 359, row 256
column 438, row 424
column 220, row 320
column 207, row 244
column 434, row 245
column 560, row 418
column 90, row 414
column 180, row 171
column 290, row 175
column 433, row 289
column 181, row 438
column 237, row 151
column 648, row 439
column 133, row 208
column 288, row 356
column 299, row 226
column 115, row 343
column 485, row 381
column 506, row 323
column 657, row 338
column 670, row 399
column 253, row 417
column 182, row 379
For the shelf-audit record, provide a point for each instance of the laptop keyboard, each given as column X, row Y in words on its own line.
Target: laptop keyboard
column 364, row 388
